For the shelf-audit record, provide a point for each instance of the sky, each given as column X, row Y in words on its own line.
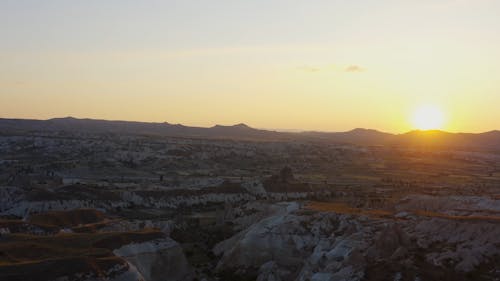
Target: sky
column 280, row 64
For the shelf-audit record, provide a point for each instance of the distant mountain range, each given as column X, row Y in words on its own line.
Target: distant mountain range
column 70, row 124
column 482, row 141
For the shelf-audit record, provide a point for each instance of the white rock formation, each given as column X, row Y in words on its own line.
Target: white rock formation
column 161, row 259
column 292, row 246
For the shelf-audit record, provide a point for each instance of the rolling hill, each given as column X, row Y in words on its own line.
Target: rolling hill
column 434, row 138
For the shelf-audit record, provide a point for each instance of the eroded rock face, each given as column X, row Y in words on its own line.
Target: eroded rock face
column 468, row 243
column 297, row 245
column 390, row 243
column 161, row 259
column 10, row 197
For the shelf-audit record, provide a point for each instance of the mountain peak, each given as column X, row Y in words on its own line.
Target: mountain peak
column 362, row 130
column 366, row 132
column 64, row 118
column 242, row 125
column 239, row 126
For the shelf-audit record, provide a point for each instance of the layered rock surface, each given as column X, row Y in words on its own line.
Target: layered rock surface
column 300, row 245
column 156, row 260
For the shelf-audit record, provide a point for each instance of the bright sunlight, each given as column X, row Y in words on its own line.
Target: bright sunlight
column 428, row 117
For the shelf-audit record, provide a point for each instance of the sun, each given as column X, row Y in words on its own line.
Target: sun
column 428, row 117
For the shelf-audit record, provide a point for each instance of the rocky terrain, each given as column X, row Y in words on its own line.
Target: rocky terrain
column 81, row 204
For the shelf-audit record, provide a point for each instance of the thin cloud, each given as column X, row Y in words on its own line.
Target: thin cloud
column 354, row 68
column 317, row 68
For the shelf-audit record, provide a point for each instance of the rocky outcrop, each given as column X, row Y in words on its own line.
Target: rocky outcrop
column 161, row 259
column 302, row 245
column 291, row 245
column 10, row 197
column 463, row 245
column 137, row 225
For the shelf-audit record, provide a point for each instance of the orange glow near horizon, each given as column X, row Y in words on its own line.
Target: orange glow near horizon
column 299, row 67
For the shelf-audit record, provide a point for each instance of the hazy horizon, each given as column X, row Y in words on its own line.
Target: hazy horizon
column 321, row 65
column 284, row 130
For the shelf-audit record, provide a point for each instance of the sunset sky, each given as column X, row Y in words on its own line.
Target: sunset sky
column 313, row 65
